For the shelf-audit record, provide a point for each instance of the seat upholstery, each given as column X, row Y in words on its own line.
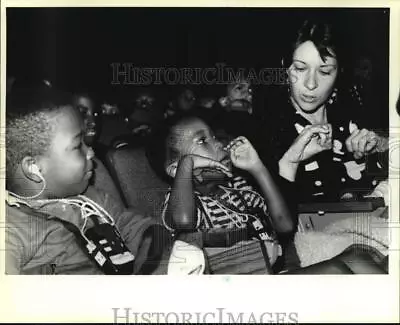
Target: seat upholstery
column 138, row 183
column 102, row 180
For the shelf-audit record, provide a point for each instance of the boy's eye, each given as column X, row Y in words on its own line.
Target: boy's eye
column 79, row 146
column 202, row 140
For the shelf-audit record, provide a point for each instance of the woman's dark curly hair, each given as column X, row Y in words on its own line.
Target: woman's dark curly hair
column 322, row 34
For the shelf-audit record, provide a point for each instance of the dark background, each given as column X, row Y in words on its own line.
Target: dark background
column 75, row 47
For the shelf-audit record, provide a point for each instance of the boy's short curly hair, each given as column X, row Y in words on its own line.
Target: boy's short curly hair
column 28, row 128
column 162, row 148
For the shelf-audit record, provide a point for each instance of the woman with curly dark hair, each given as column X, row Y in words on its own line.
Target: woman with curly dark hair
column 343, row 160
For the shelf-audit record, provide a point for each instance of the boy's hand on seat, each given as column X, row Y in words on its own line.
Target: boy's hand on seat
column 243, row 155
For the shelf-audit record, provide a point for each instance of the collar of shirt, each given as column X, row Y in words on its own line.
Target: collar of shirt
column 56, row 208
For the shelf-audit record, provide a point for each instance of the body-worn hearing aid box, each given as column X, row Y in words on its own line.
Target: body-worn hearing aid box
column 316, row 216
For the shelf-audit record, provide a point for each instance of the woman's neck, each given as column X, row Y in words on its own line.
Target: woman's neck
column 318, row 116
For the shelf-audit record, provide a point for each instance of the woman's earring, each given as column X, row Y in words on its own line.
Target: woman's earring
column 332, row 99
column 286, row 69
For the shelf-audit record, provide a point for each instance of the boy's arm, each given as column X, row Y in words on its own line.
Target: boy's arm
column 245, row 157
column 277, row 206
column 181, row 208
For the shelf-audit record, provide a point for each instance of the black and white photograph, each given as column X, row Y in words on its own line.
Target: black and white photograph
column 198, row 141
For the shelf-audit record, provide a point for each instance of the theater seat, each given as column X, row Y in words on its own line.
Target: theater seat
column 140, row 187
column 102, row 180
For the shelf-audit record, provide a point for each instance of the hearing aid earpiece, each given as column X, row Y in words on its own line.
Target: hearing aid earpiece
column 35, row 170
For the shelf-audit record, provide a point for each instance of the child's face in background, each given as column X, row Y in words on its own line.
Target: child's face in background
column 144, row 101
column 240, row 91
column 186, row 100
column 67, row 165
column 90, row 118
column 194, row 137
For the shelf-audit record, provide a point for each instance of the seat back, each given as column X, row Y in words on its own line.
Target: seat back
column 139, row 185
column 103, row 181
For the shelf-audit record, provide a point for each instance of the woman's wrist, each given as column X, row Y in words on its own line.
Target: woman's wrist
column 288, row 169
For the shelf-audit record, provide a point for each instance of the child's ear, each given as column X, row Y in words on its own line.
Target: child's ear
column 171, row 169
column 31, row 169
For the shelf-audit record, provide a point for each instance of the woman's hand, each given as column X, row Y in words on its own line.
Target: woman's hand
column 312, row 140
column 243, row 155
column 363, row 142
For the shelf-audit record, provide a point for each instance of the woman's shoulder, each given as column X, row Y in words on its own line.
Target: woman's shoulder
column 345, row 108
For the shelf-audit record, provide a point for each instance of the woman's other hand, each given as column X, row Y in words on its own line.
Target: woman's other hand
column 363, row 142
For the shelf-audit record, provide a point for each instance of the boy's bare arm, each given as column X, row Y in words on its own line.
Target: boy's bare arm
column 277, row 206
column 244, row 156
column 181, row 209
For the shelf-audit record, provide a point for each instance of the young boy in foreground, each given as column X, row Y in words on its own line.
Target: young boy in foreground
column 51, row 227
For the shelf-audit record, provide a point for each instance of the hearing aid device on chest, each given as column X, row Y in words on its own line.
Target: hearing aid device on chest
column 105, row 246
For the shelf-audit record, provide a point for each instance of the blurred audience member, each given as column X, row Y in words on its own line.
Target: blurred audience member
column 184, row 100
column 141, row 115
column 91, row 116
column 238, row 97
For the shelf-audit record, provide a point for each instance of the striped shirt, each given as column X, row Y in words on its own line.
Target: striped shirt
column 235, row 205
